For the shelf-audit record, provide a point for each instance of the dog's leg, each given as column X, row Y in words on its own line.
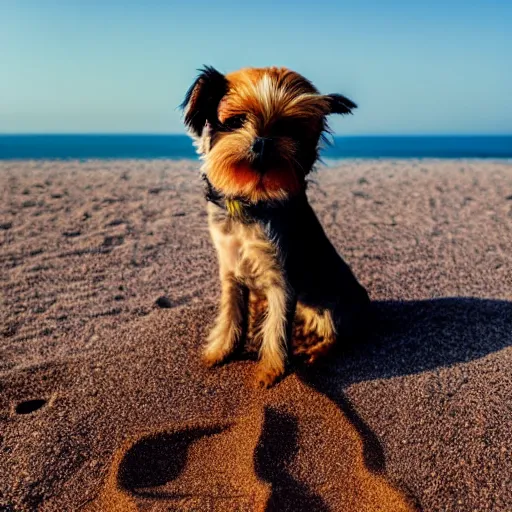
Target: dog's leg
column 274, row 332
column 229, row 323
column 256, row 313
column 313, row 333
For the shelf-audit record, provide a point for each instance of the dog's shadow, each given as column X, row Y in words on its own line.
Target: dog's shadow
column 411, row 337
column 406, row 338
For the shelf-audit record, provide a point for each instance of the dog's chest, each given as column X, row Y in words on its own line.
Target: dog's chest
column 243, row 249
column 229, row 248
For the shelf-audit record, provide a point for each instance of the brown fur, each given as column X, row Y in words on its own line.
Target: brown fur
column 283, row 285
column 246, row 259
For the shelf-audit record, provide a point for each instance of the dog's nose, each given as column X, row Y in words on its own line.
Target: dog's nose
column 261, row 146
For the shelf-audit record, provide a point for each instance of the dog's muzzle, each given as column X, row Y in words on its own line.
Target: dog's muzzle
column 261, row 148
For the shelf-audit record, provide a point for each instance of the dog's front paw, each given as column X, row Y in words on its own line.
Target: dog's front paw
column 213, row 356
column 220, row 345
column 267, row 377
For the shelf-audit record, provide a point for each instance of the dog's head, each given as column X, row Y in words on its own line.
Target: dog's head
column 258, row 129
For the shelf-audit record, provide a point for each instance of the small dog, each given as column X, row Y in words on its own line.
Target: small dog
column 284, row 287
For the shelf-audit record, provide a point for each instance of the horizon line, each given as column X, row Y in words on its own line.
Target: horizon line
column 174, row 134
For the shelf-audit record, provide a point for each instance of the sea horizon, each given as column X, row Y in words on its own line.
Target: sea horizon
column 41, row 146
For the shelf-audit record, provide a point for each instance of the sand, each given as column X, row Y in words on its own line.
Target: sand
column 104, row 404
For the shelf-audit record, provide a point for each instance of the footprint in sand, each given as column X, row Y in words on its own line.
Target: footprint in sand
column 252, row 464
column 29, row 406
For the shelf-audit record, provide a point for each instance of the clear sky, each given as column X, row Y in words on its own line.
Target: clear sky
column 100, row 66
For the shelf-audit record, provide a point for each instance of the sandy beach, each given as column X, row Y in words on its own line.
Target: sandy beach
column 104, row 403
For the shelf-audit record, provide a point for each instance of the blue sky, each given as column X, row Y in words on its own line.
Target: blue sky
column 106, row 66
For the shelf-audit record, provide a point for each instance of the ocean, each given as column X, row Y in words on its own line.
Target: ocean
column 15, row 147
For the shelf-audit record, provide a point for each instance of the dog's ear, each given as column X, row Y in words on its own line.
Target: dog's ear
column 202, row 99
column 340, row 104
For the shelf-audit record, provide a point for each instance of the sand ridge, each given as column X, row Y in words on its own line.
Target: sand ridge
column 104, row 402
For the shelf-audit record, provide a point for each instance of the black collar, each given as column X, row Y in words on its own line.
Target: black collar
column 244, row 210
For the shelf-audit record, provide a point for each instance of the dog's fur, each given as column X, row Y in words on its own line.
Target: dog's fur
column 284, row 287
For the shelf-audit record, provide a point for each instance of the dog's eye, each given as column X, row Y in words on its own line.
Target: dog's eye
column 289, row 127
column 234, row 122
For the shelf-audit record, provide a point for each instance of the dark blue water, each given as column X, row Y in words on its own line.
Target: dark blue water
column 180, row 146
